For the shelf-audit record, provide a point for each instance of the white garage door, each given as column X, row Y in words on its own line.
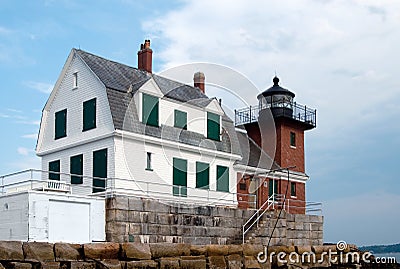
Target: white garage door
column 69, row 222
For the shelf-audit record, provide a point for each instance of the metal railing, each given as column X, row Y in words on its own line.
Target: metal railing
column 271, row 201
column 37, row 180
column 278, row 201
column 296, row 111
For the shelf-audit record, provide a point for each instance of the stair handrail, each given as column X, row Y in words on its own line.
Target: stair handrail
column 271, row 202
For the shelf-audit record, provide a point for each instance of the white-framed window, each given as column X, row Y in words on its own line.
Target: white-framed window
column 75, row 80
column 148, row 161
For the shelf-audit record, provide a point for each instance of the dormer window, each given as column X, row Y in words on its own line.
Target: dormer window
column 180, row 119
column 150, row 110
column 213, row 126
column 75, row 80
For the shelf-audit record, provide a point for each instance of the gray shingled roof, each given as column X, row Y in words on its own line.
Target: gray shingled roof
column 122, row 81
column 253, row 155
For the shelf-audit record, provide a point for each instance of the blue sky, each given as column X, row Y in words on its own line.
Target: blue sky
column 340, row 57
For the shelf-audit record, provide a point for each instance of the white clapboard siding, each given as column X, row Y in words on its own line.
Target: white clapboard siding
column 65, row 96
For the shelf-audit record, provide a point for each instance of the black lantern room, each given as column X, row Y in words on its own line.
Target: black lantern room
column 278, row 99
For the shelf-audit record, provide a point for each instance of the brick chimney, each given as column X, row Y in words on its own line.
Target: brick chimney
column 145, row 56
column 199, row 79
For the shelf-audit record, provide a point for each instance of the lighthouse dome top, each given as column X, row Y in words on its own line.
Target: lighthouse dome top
column 275, row 89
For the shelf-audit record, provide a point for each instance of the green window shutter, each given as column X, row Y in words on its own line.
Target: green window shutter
column 60, row 124
column 54, row 166
column 180, row 119
column 222, row 178
column 202, row 175
column 89, row 114
column 99, row 170
column 150, row 110
column 179, row 177
column 76, row 169
column 292, row 188
column 213, row 126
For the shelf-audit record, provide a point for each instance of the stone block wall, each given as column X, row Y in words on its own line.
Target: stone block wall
column 130, row 219
column 40, row 255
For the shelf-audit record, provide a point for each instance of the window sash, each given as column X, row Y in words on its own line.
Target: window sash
column 60, row 124
column 150, row 110
column 76, row 168
column 89, row 114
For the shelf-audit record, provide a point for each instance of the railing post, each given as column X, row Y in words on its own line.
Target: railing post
column 235, row 118
column 250, row 115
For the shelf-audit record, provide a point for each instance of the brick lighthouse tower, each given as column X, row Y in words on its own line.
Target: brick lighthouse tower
column 277, row 125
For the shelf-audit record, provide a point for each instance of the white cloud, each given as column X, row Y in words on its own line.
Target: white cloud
column 30, row 136
column 39, row 86
column 23, row 151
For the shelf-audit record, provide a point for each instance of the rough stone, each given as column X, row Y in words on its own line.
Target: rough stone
column 67, row 252
column 11, row 251
column 251, row 262
column 101, row 250
column 235, row 249
column 196, row 262
column 196, row 250
column 109, row 264
column 169, row 263
column 160, row 250
column 216, row 262
column 144, row 264
column 252, row 250
column 19, row 265
column 49, row 265
column 217, row 250
column 136, row 251
column 302, row 249
column 83, row 265
column 38, row 252
column 234, row 261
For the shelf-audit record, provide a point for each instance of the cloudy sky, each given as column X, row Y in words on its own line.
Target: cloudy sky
column 341, row 57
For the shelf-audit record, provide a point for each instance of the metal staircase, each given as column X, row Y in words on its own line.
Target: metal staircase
column 256, row 221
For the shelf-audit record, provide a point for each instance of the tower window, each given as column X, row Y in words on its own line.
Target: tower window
column 292, row 188
column 292, row 139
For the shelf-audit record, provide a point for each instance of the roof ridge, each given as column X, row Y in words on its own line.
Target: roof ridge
column 106, row 59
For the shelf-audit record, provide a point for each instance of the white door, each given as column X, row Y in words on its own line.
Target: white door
column 69, row 222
